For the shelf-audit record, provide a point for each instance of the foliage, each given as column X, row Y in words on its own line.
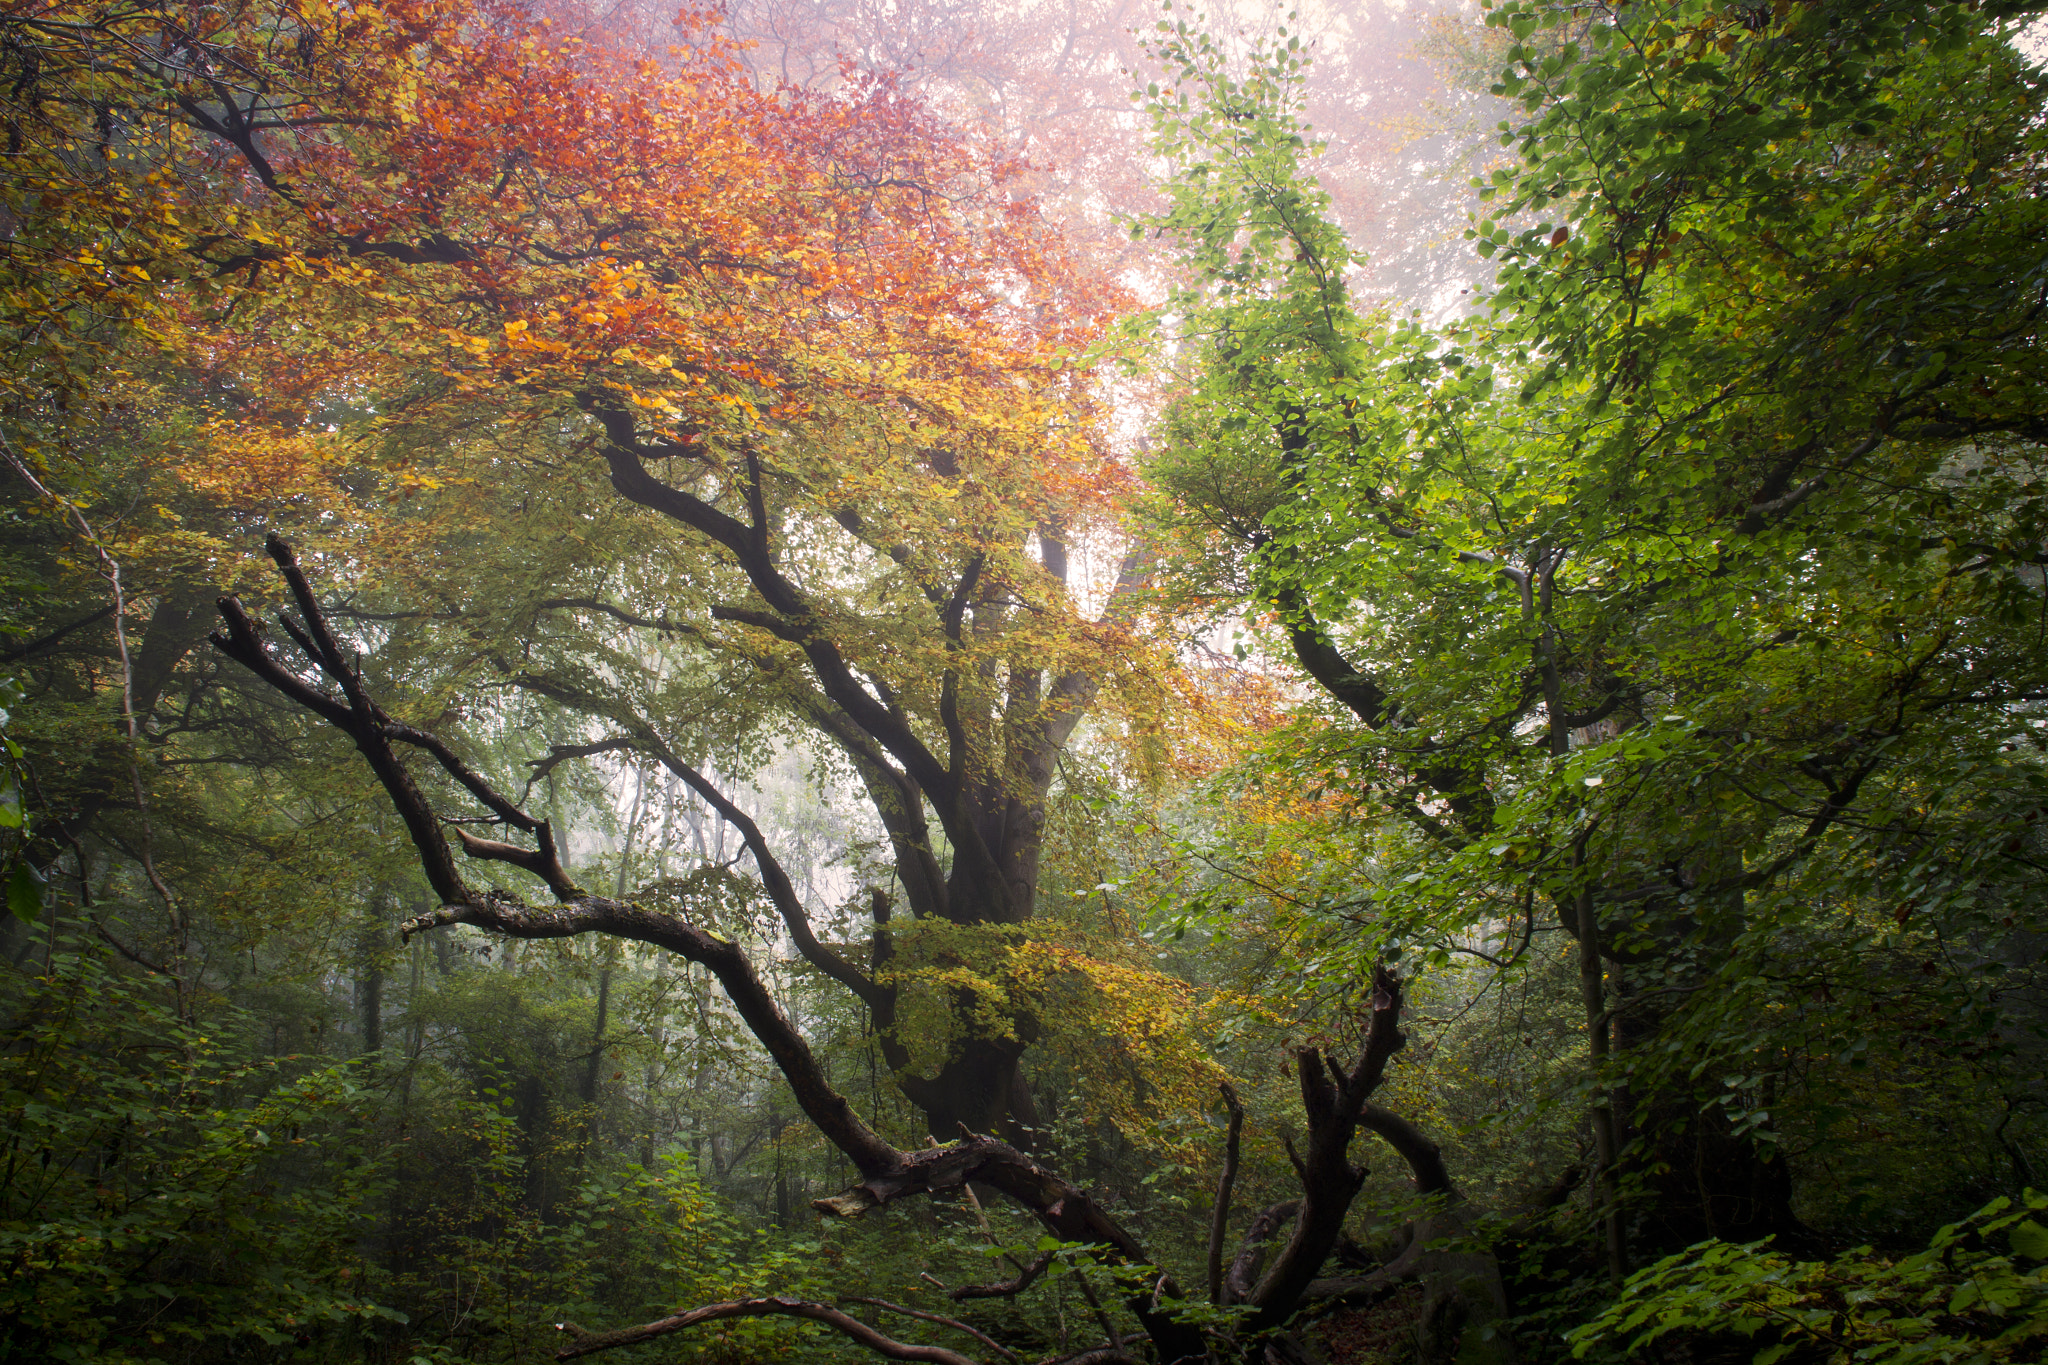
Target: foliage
column 1645, row 664
column 160, row 1191
column 1687, row 591
column 23, row 879
column 1962, row 1299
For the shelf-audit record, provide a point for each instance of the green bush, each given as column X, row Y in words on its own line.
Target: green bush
column 157, row 1196
column 1977, row 1295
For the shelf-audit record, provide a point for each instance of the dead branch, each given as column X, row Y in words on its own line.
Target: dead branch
column 1334, row 1099
column 1006, row 1288
column 584, row 1343
column 954, row 1323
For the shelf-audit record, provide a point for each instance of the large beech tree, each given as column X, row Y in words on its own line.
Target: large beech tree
column 814, row 339
column 802, row 356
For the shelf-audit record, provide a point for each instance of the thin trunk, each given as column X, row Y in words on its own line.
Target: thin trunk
column 781, row 1177
column 595, row 1070
column 592, row 1072
column 370, row 985
column 1219, row 1216
column 1592, row 971
column 1592, row 993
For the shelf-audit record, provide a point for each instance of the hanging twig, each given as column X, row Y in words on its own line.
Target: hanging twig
column 110, row 570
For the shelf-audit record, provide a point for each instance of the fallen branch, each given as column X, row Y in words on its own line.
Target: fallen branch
column 584, row 1343
column 1004, row 1289
column 942, row 1321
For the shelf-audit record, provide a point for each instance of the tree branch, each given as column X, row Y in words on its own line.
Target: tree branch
column 1005, row 1289
column 1244, row 1267
column 824, row 1106
column 887, row 1174
column 358, row 718
column 781, row 891
column 1334, row 1100
column 44, row 642
column 559, row 754
column 954, row 1323
column 588, row 1343
column 1061, row 1207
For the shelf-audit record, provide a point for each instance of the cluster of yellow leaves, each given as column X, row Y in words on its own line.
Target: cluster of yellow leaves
column 1137, row 1038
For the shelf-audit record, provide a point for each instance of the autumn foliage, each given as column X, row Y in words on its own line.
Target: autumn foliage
column 470, row 214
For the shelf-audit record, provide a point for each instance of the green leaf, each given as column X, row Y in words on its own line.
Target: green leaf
column 2030, row 1239
column 25, row 894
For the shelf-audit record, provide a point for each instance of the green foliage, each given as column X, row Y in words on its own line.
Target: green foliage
column 1978, row 1293
column 24, row 881
column 167, row 1198
column 158, row 1192
column 1694, row 577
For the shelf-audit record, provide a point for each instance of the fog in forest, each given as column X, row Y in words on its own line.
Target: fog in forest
column 1094, row 683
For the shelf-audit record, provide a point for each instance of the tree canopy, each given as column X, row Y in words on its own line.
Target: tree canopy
column 609, row 645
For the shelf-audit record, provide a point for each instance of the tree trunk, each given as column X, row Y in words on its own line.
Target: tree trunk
column 370, row 982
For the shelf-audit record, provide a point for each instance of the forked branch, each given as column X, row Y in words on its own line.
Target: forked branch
column 887, row 1174
column 1334, row 1099
column 941, row 1320
column 1005, row 1289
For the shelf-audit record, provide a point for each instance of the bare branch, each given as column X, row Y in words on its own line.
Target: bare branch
column 1334, row 1100
column 358, row 719
column 1425, row 1159
column 544, row 863
column 618, row 614
column 781, row 890
column 958, row 1326
column 1006, row 1288
column 44, row 642
column 559, row 754
column 588, row 1343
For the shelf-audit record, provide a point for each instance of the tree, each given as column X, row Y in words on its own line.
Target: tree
column 813, row 344
column 1689, row 588
column 702, row 276
column 147, row 423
